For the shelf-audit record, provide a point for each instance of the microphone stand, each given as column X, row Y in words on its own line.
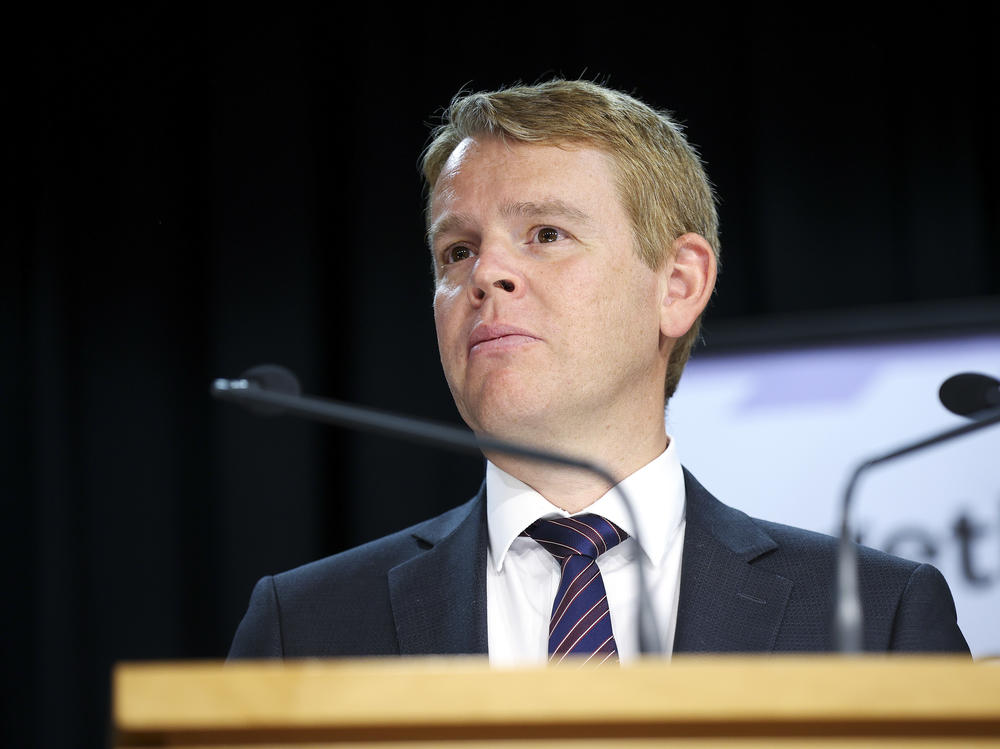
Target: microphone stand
column 848, row 624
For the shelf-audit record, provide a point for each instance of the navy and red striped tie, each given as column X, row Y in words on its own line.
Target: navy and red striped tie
column 581, row 621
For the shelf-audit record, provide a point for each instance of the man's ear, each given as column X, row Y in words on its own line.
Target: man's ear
column 688, row 281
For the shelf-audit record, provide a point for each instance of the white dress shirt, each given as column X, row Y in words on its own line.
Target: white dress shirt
column 522, row 577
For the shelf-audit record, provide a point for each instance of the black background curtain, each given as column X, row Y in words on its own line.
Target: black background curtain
column 192, row 193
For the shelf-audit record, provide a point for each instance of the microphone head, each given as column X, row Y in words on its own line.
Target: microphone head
column 273, row 378
column 969, row 393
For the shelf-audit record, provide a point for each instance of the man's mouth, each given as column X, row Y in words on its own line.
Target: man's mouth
column 498, row 338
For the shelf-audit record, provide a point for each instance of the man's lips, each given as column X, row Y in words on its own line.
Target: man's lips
column 495, row 337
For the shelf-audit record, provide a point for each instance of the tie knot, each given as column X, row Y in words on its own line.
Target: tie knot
column 587, row 535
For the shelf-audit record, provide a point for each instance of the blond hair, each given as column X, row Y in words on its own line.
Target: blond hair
column 661, row 181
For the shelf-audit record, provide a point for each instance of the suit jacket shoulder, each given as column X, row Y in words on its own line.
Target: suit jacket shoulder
column 754, row 585
column 415, row 591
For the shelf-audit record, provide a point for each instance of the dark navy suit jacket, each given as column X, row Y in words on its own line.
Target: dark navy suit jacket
column 746, row 586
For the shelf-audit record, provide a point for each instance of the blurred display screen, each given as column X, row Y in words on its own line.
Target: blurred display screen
column 777, row 434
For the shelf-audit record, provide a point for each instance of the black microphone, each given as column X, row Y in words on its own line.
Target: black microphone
column 270, row 389
column 272, row 377
column 969, row 393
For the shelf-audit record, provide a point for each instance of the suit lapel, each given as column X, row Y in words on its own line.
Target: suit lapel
column 726, row 603
column 439, row 597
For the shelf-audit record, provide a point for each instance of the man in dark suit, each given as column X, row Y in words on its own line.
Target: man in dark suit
column 574, row 242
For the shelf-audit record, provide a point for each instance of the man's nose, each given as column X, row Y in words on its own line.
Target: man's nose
column 497, row 271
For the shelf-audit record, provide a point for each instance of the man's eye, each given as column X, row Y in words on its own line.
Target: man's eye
column 456, row 253
column 548, row 234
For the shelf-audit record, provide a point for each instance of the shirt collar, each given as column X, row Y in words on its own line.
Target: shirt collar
column 656, row 491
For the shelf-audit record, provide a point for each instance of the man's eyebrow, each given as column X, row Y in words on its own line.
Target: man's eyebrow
column 451, row 222
column 543, row 208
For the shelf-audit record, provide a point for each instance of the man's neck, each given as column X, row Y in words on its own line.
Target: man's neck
column 574, row 489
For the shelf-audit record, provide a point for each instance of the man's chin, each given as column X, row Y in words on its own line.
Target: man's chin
column 517, row 425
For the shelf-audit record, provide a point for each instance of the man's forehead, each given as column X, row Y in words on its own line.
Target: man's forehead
column 471, row 145
column 457, row 155
column 458, row 164
column 462, row 163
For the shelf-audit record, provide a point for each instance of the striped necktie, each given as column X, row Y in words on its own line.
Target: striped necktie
column 581, row 620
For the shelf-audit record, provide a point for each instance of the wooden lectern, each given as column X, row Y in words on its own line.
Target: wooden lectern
column 707, row 701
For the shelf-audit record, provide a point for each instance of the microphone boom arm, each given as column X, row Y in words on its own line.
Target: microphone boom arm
column 248, row 392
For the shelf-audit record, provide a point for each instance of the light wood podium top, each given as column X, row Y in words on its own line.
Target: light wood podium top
column 826, row 700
